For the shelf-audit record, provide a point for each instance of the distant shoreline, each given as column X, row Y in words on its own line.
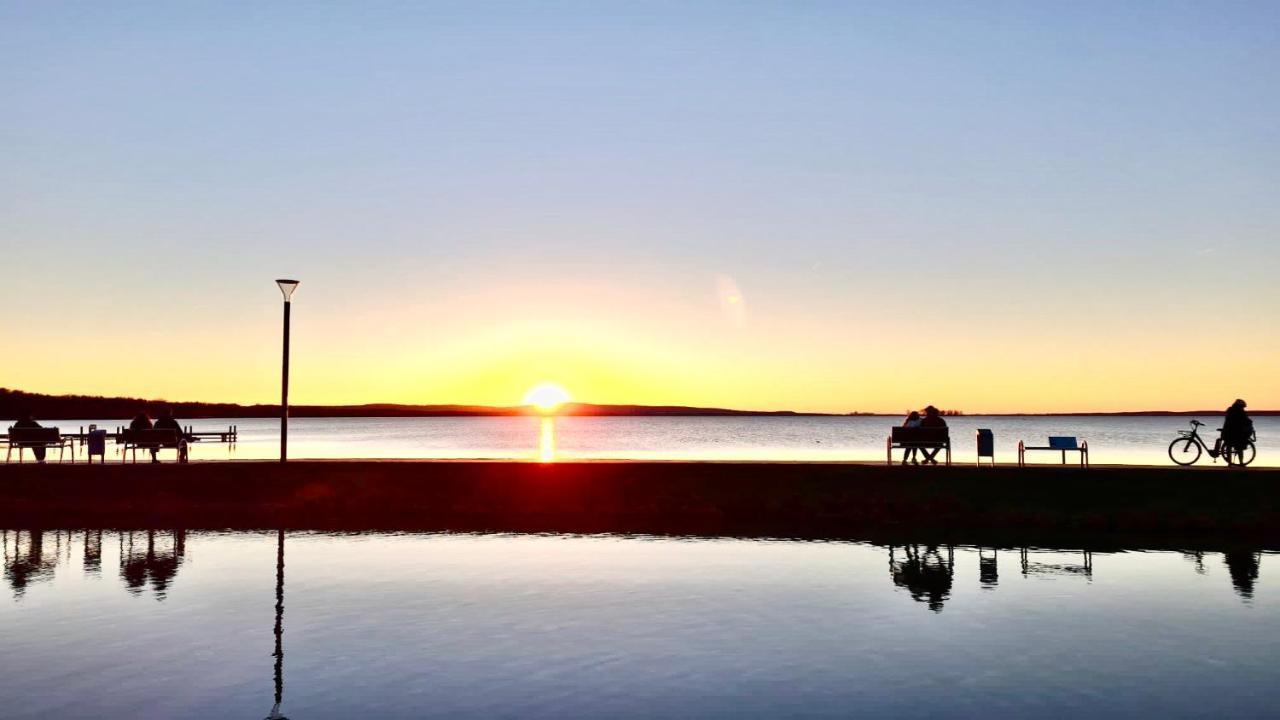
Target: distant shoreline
column 77, row 407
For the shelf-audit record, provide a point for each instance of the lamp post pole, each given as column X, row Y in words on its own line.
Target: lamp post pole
column 286, row 287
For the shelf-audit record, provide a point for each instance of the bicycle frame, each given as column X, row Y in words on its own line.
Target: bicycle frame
column 1194, row 434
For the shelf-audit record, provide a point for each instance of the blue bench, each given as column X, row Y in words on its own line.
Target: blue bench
column 1057, row 443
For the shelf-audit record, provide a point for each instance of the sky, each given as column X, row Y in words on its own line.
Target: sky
column 823, row 206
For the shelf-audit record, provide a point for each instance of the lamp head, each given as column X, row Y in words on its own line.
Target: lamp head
column 287, row 287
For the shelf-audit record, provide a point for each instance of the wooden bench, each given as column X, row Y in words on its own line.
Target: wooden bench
column 1057, row 443
column 931, row 438
column 31, row 438
column 152, row 439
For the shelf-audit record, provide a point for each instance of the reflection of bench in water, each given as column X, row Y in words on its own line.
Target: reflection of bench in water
column 154, row 562
column 1083, row 568
column 26, row 561
column 926, row 574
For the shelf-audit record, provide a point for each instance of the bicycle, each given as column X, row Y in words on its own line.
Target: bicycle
column 1188, row 446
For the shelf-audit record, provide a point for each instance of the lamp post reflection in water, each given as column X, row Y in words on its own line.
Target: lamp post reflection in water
column 279, row 629
column 547, row 440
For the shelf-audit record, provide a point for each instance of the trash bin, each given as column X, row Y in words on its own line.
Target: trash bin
column 986, row 445
column 97, row 444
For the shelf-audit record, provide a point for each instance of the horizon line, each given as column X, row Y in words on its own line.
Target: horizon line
column 575, row 408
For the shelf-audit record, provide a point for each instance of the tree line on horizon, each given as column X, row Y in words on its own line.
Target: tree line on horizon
column 16, row 403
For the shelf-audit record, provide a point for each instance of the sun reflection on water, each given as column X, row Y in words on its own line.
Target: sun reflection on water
column 547, row 440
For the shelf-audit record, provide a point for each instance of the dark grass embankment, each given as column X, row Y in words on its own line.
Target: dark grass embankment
column 1103, row 506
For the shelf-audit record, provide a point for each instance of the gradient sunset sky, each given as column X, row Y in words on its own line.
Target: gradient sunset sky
column 807, row 205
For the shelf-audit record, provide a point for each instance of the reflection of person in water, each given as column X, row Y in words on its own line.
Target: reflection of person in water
column 1243, row 567
column 927, row 576
column 160, row 567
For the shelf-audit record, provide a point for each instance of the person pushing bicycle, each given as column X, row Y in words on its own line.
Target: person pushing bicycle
column 1237, row 431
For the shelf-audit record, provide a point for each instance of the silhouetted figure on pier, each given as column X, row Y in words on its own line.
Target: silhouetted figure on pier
column 913, row 421
column 28, row 421
column 927, row 576
column 932, row 419
column 142, row 421
column 1243, row 567
column 1237, row 432
column 168, row 422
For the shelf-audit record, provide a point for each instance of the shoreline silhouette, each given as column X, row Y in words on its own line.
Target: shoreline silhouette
column 79, row 407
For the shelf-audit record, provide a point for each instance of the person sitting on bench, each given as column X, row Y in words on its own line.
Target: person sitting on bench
column 142, row 421
column 932, row 418
column 168, row 422
column 29, row 421
column 913, row 421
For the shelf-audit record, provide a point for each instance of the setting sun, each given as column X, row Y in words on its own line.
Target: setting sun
column 547, row 397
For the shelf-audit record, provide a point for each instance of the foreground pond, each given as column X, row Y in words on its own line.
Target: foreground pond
column 106, row 624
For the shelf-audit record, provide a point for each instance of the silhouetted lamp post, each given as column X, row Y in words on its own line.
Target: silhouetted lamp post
column 286, row 288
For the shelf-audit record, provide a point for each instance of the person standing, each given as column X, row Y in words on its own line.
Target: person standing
column 1237, row 432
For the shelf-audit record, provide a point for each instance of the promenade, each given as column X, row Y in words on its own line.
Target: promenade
column 1133, row 506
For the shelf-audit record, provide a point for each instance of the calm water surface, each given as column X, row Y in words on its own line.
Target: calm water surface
column 1138, row 440
column 103, row 624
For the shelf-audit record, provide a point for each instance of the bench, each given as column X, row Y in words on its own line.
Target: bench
column 1057, row 443
column 932, row 438
column 152, row 439
column 32, row 438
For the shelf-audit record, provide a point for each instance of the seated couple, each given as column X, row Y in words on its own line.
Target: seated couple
column 142, row 421
column 932, row 418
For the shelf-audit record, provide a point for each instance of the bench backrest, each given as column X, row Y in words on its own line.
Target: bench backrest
column 1062, row 442
column 35, row 435
column 153, row 436
column 920, row 434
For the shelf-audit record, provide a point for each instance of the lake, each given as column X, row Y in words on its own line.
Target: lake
column 1119, row 440
column 106, row 624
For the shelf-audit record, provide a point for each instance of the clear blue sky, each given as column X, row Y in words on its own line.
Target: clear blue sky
column 1032, row 190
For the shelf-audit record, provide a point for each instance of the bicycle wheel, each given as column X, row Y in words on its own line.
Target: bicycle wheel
column 1184, row 451
column 1244, row 457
